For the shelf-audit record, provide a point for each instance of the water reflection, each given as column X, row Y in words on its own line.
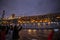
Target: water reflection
column 34, row 30
column 34, row 34
column 29, row 31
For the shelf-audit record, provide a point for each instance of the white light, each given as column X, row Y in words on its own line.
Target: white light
column 56, row 30
column 29, row 31
column 38, row 24
column 34, row 30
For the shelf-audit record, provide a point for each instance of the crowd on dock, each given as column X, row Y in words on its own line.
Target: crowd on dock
column 9, row 32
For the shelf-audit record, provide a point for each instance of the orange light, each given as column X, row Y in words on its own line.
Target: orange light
column 40, row 21
column 33, row 21
column 19, row 21
column 57, row 17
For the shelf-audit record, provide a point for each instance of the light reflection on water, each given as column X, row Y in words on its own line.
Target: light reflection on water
column 34, row 33
column 29, row 31
column 38, row 25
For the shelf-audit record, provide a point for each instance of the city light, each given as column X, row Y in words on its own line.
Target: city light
column 40, row 21
column 10, row 17
column 29, row 31
column 57, row 17
column 19, row 21
column 49, row 23
column 34, row 30
column 38, row 24
column 32, row 21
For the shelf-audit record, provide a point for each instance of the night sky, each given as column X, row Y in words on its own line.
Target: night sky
column 29, row 7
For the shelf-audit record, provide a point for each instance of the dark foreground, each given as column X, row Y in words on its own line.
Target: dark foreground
column 28, row 34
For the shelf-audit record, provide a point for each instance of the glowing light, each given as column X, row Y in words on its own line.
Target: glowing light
column 48, row 22
column 11, row 17
column 29, row 31
column 57, row 17
column 38, row 24
column 32, row 21
column 34, row 30
column 20, row 21
column 45, row 20
column 40, row 21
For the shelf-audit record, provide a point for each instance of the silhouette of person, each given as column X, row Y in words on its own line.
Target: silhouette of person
column 16, row 31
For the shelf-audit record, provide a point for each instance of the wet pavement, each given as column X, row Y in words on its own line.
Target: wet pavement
column 33, row 34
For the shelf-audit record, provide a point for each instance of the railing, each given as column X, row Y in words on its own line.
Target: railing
column 41, row 25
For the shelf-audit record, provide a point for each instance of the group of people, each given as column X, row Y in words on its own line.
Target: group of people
column 54, row 34
column 9, row 32
column 12, row 33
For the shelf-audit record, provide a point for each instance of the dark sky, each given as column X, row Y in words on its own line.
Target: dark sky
column 29, row 7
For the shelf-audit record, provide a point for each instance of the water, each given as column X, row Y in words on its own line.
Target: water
column 33, row 34
column 32, row 31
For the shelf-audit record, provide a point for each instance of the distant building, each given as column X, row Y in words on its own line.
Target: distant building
column 53, row 17
column 12, row 16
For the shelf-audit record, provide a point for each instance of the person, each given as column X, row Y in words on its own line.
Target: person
column 56, row 35
column 50, row 36
column 9, row 34
column 3, row 33
column 7, row 29
column 0, row 31
column 15, row 32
